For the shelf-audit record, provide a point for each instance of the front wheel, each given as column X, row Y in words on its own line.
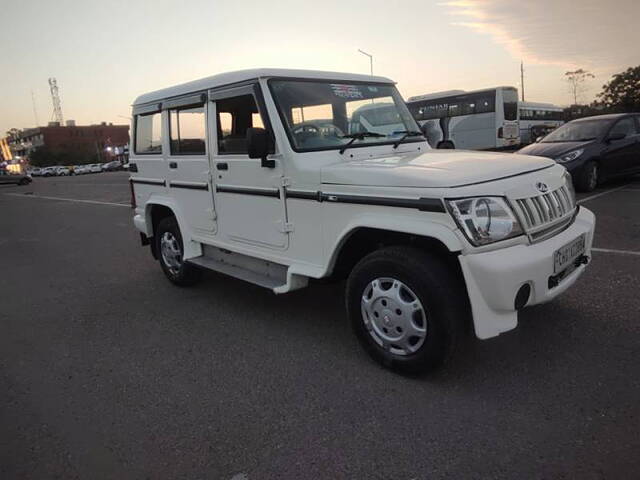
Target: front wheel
column 588, row 178
column 171, row 253
column 407, row 308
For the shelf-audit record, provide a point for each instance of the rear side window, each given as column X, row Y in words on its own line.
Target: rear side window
column 625, row 126
column 187, row 131
column 148, row 133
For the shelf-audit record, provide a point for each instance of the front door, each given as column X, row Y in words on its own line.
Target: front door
column 247, row 195
column 619, row 154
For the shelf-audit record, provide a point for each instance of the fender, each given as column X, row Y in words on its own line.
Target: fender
column 432, row 228
column 191, row 248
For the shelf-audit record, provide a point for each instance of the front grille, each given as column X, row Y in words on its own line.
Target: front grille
column 542, row 215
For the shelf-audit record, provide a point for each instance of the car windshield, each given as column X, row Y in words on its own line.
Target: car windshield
column 577, row 131
column 323, row 115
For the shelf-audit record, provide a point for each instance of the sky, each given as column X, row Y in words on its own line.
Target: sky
column 106, row 53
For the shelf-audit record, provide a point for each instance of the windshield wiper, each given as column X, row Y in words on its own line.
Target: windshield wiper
column 358, row 136
column 407, row 133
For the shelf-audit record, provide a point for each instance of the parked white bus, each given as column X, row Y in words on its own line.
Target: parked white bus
column 477, row 120
column 538, row 119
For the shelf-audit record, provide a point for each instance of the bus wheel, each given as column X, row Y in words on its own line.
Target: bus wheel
column 447, row 144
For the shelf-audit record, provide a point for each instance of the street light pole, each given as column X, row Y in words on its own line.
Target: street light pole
column 370, row 59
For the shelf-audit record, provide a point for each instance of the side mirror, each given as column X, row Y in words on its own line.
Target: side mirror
column 615, row 136
column 258, row 141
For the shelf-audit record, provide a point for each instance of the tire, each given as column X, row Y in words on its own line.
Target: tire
column 446, row 145
column 414, row 275
column 588, row 178
column 168, row 236
column 23, row 182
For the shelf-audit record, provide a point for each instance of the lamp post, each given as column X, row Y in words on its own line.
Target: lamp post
column 370, row 59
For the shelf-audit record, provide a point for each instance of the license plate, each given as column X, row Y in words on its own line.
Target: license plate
column 567, row 254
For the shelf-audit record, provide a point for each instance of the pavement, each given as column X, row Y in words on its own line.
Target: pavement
column 109, row 371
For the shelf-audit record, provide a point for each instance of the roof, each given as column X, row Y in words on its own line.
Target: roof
column 453, row 93
column 608, row 116
column 539, row 105
column 244, row 75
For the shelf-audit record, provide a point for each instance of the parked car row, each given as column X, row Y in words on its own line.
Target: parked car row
column 61, row 171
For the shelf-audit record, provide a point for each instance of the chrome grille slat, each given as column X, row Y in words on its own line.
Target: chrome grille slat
column 546, row 213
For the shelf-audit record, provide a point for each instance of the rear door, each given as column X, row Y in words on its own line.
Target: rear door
column 188, row 173
column 247, row 195
column 620, row 154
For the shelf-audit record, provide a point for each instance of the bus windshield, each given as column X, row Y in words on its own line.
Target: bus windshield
column 510, row 100
column 324, row 115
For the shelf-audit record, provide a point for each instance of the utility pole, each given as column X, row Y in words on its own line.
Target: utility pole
column 370, row 60
column 55, row 99
column 522, row 78
column 35, row 112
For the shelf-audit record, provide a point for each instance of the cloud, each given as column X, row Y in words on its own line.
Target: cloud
column 593, row 34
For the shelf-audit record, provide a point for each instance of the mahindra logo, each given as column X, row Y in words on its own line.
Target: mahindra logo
column 542, row 187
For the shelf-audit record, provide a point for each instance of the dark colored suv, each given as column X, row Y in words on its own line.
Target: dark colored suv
column 593, row 149
column 18, row 179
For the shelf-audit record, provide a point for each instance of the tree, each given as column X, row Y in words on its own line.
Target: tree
column 622, row 93
column 576, row 80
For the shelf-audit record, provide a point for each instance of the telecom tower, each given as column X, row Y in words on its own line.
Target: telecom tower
column 55, row 98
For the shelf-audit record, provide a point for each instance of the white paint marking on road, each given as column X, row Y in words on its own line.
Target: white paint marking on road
column 610, row 250
column 586, row 199
column 76, row 200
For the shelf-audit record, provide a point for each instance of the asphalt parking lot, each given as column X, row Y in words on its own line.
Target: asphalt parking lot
column 109, row 371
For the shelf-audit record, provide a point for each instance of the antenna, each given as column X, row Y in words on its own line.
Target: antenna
column 35, row 112
column 522, row 78
column 55, row 98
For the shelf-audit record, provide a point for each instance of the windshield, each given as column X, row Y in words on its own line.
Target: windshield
column 323, row 115
column 577, row 131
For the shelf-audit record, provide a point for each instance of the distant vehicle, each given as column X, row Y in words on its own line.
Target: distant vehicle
column 112, row 166
column 63, row 171
column 95, row 168
column 538, row 120
column 382, row 118
column 14, row 178
column 593, row 149
column 80, row 170
column 35, row 172
column 49, row 171
column 477, row 120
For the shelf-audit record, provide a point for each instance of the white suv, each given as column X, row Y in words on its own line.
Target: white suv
column 269, row 176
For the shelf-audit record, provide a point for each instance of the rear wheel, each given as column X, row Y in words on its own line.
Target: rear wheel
column 407, row 308
column 589, row 177
column 446, row 145
column 170, row 251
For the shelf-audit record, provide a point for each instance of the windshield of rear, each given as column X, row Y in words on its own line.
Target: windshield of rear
column 322, row 115
column 577, row 131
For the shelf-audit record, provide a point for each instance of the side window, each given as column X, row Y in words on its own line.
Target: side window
column 626, row 126
column 235, row 116
column 187, row 129
column 148, row 131
column 454, row 109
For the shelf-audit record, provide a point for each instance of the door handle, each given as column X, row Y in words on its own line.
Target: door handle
column 222, row 166
column 173, row 165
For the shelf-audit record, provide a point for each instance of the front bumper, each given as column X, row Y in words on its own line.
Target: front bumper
column 494, row 278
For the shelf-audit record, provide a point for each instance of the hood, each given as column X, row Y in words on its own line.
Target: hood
column 436, row 168
column 552, row 149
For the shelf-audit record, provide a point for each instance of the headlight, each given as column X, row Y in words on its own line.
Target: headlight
column 485, row 219
column 568, row 157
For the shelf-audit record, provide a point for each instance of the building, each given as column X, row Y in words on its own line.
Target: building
column 90, row 142
column 5, row 151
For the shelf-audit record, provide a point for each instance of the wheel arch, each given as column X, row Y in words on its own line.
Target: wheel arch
column 158, row 208
column 357, row 241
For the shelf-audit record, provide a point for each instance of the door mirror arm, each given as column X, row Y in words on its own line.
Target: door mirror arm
column 258, row 146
